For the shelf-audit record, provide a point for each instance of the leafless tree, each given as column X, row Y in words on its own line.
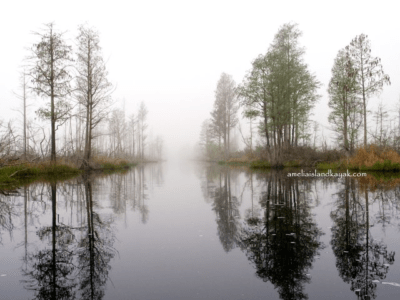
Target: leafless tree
column 117, row 129
column 142, row 116
column 8, row 139
column 132, row 129
column 93, row 88
column 23, row 97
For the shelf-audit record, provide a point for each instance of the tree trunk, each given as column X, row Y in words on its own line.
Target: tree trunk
column 53, row 117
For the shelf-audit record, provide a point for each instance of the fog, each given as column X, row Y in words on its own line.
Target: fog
column 170, row 54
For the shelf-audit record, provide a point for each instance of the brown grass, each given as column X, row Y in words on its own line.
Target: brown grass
column 371, row 155
column 244, row 158
column 101, row 161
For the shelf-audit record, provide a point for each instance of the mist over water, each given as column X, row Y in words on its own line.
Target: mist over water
column 167, row 87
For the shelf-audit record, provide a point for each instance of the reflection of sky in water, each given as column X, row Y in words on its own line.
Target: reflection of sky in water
column 177, row 231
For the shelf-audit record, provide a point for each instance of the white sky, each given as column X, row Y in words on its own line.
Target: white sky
column 170, row 54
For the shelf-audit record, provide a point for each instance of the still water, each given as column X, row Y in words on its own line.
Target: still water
column 197, row 231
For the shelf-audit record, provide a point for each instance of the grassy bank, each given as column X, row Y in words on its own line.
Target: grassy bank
column 259, row 164
column 13, row 176
column 17, row 175
column 372, row 159
column 385, row 166
column 111, row 168
column 294, row 157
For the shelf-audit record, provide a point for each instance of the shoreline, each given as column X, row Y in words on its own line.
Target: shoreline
column 14, row 176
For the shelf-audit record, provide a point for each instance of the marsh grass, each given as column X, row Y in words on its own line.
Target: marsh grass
column 374, row 159
column 13, row 176
column 336, row 165
column 292, row 164
column 25, row 173
column 260, row 164
column 109, row 164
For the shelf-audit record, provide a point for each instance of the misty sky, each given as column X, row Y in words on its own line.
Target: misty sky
column 170, row 54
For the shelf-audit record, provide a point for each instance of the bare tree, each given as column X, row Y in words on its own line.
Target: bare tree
column 117, row 127
column 142, row 116
column 23, row 97
column 381, row 134
column 250, row 115
column 93, row 88
column 51, row 77
column 159, row 144
column 7, row 139
column 133, row 129
column 207, row 145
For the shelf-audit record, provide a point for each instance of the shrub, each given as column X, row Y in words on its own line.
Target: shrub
column 375, row 159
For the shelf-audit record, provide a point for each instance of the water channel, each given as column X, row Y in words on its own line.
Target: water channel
column 200, row 231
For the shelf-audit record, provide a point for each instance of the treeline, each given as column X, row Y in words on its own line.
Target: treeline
column 277, row 96
column 80, row 107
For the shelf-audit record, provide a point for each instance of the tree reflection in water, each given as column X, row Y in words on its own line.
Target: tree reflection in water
column 77, row 264
column 130, row 187
column 50, row 270
column 225, row 206
column 7, row 211
column 361, row 260
column 284, row 243
column 279, row 235
column 95, row 250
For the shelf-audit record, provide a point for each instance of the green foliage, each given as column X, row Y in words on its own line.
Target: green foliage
column 224, row 115
column 386, row 166
column 280, row 89
column 119, row 167
column 50, row 57
column 251, row 113
column 345, row 114
column 260, row 164
column 369, row 75
column 386, row 177
column 51, row 77
column 330, row 165
column 237, row 163
column 292, row 164
column 15, row 176
column 61, row 110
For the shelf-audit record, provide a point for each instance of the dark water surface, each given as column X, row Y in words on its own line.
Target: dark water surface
column 196, row 231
